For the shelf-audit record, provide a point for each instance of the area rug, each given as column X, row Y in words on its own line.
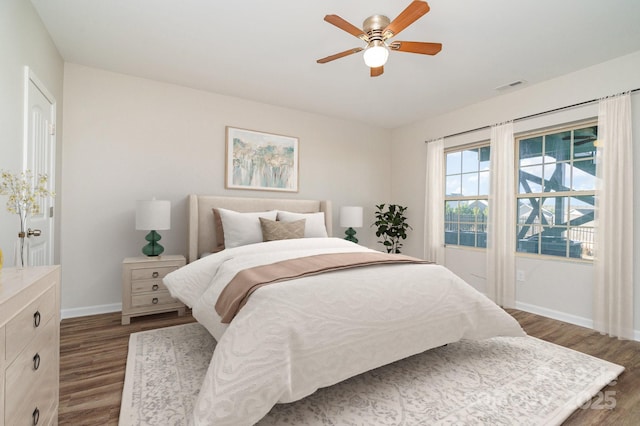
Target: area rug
column 516, row 380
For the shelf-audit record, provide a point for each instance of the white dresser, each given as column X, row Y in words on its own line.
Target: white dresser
column 29, row 345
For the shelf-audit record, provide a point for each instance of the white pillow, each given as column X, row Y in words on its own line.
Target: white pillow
column 314, row 226
column 243, row 228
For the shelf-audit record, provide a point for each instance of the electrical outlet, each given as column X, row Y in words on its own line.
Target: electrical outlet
column 520, row 275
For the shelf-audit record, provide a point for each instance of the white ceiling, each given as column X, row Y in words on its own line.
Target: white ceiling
column 267, row 50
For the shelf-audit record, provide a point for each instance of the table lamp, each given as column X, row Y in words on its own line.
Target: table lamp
column 153, row 215
column 351, row 217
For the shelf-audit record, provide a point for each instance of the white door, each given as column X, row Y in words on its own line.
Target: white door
column 39, row 157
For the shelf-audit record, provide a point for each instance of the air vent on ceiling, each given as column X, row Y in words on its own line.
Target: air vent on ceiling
column 511, row 85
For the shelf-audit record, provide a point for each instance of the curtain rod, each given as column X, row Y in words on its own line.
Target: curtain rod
column 526, row 117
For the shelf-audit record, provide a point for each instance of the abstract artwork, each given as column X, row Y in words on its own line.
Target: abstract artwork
column 261, row 161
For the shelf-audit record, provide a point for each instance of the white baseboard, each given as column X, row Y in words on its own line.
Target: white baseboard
column 563, row 316
column 90, row 310
column 556, row 315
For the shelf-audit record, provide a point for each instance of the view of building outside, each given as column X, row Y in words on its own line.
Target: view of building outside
column 466, row 197
column 555, row 195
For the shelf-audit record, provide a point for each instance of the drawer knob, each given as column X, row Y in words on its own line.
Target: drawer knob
column 36, row 416
column 155, row 287
column 36, row 361
column 154, row 301
column 36, row 319
column 155, row 274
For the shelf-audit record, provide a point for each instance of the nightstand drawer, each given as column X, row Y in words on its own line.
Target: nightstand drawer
column 151, row 273
column 29, row 323
column 147, row 286
column 143, row 292
column 152, row 299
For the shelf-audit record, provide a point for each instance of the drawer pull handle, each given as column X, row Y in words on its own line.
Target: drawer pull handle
column 36, row 319
column 155, row 301
column 155, row 287
column 36, row 361
column 36, row 416
column 155, row 274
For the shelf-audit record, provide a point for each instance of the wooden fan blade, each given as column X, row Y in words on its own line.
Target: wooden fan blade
column 346, row 26
column 415, row 10
column 416, row 47
column 377, row 71
column 339, row 55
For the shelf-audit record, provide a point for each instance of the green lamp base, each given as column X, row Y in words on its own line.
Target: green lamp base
column 351, row 235
column 153, row 248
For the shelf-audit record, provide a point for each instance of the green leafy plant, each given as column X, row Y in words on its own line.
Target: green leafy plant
column 391, row 226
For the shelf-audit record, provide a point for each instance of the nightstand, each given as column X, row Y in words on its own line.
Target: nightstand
column 142, row 290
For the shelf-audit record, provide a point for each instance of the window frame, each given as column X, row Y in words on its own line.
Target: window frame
column 541, row 194
column 468, row 198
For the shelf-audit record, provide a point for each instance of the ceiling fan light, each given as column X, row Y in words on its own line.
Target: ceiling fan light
column 376, row 54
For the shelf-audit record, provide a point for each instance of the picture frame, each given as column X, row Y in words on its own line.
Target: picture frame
column 260, row 161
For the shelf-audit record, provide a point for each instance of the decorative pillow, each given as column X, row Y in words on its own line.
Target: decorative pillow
column 243, row 228
column 314, row 226
column 272, row 230
column 217, row 221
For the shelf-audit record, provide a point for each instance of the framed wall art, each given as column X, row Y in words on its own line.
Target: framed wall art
column 261, row 161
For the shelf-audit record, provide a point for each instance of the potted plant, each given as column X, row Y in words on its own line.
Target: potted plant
column 392, row 226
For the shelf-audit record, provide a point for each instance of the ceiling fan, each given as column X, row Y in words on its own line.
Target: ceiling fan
column 377, row 29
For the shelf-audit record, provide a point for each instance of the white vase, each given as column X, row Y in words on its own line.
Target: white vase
column 21, row 251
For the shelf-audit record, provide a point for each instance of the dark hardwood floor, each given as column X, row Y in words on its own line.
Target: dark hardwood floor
column 93, row 354
column 625, row 393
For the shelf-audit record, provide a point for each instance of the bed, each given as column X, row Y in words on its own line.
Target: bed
column 296, row 336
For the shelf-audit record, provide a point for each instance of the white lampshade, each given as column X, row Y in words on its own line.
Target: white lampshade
column 153, row 215
column 376, row 54
column 351, row 217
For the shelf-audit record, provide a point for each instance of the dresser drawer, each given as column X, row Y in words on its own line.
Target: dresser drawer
column 151, row 273
column 39, row 405
column 152, row 299
column 32, row 379
column 147, row 286
column 29, row 322
column 2, row 334
column 2, row 367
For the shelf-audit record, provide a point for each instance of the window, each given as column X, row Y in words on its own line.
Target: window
column 556, row 192
column 466, row 196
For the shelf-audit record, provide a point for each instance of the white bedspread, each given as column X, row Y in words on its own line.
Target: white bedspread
column 294, row 337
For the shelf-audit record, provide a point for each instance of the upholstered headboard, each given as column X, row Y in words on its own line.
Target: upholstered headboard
column 202, row 230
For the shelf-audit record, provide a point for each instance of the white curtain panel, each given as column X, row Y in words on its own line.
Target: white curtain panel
column 501, row 227
column 613, row 264
column 434, row 203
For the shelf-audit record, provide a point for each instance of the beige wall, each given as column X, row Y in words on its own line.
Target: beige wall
column 128, row 138
column 23, row 42
column 556, row 288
